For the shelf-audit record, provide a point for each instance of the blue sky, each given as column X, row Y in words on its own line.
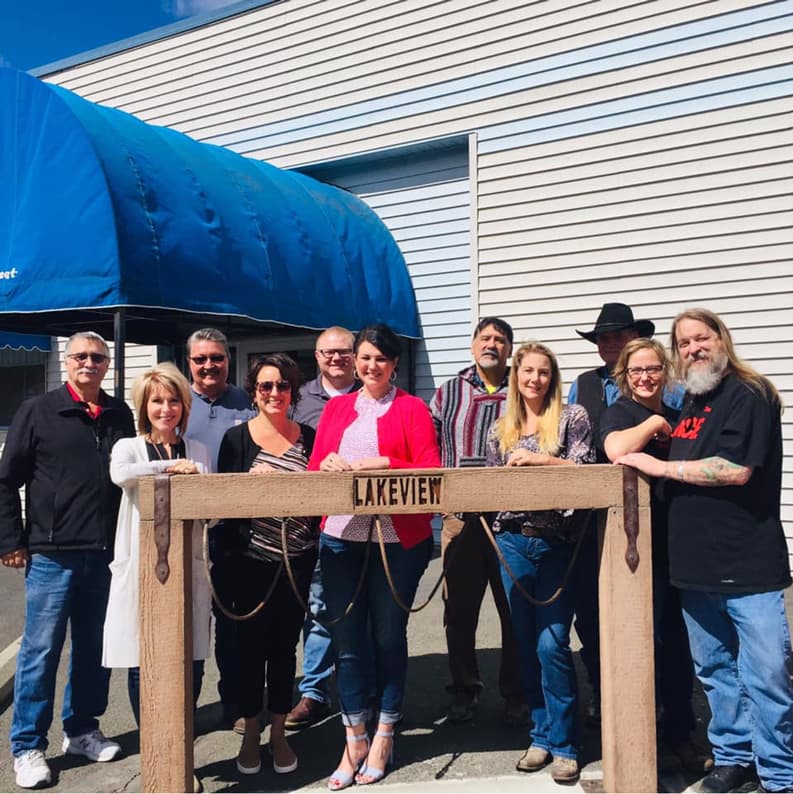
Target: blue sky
column 37, row 32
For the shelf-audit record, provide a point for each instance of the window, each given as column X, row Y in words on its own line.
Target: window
column 19, row 383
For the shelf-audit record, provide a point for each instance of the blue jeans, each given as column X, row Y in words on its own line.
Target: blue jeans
column 543, row 637
column 741, row 650
column 61, row 587
column 318, row 656
column 341, row 562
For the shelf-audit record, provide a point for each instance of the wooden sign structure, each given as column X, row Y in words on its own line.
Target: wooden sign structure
column 168, row 505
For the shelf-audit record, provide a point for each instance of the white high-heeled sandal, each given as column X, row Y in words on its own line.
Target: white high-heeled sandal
column 373, row 772
column 340, row 779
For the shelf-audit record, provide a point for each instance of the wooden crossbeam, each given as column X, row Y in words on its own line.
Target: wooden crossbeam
column 167, row 508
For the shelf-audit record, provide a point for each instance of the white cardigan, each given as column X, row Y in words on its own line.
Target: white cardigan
column 121, row 641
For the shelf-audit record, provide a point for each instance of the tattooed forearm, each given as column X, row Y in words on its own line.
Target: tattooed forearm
column 714, row 471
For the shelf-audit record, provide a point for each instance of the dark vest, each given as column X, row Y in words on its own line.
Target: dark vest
column 592, row 395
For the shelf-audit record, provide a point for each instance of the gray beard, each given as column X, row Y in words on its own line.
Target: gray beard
column 704, row 381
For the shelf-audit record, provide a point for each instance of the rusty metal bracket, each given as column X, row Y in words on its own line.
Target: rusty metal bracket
column 630, row 507
column 162, row 525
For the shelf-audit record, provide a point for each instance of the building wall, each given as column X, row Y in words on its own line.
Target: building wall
column 621, row 151
column 424, row 197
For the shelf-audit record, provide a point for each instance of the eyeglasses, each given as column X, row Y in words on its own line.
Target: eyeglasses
column 344, row 352
column 216, row 358
column 266, row 386
column 96, row 358
column 654, row 371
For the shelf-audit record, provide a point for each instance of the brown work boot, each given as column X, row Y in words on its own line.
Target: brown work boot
column 306, row 713
column 564, row 770
column 534, row 759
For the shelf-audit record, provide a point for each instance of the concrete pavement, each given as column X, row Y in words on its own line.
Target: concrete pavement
column 431, row 755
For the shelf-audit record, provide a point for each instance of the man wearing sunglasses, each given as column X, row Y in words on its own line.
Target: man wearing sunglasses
column 58, row 447
column 217, row 406
column 333, row 353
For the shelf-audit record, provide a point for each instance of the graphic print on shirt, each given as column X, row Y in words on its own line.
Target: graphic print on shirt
column 689, row 427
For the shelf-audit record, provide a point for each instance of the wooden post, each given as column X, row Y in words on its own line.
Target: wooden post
column 627, row 669
column 166, row 652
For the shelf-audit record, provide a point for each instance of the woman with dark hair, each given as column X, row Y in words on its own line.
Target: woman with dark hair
column 379, row 426
column 537, row 430
column 269, row 442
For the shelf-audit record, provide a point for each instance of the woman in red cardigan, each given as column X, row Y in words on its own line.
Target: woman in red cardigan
column 376, row 427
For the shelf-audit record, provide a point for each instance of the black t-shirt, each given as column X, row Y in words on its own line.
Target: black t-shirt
column 729, row 539
column 626, row 413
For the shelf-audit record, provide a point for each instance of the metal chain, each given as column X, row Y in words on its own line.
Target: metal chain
column 530, row 598
column 232, row 615
column 390, row 580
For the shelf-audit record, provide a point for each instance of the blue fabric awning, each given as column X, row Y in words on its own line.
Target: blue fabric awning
column 25, row 342
column 99, row 210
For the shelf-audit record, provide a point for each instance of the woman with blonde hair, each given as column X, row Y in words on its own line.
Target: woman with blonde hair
column 537, row 430
column 640, row 421
column 161, row 397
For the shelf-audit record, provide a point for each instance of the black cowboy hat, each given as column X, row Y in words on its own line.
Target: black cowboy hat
column 616, row 317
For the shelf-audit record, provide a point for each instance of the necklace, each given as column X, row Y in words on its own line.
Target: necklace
column 164, row 450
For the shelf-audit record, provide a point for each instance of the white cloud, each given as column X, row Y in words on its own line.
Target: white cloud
column 180, row 9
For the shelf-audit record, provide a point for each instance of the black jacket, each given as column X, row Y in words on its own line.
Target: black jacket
column 237, row 453
column 238, row 450
column 62, row 457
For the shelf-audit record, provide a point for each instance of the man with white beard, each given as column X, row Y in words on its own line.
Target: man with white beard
column 727, row 552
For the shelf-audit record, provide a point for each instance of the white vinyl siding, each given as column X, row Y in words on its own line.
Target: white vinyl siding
column 638, row 152
column 423, row 199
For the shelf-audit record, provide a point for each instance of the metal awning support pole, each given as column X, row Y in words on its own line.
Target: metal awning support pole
column 119, row 334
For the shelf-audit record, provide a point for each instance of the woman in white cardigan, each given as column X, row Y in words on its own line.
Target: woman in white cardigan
column 162, row 399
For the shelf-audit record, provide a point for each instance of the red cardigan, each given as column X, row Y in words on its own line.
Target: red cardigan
column 405, row 435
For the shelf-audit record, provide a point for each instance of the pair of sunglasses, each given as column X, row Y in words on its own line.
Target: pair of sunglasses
column 266, row 386
column 96, row 358
column 217, row 358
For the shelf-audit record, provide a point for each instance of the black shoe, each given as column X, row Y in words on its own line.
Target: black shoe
column 462, row 707
column 686, row 754
column 731, row 778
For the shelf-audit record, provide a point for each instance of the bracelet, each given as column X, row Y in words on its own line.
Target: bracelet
column 680, row 472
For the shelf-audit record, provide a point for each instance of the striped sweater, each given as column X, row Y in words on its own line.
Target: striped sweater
column 463, row 413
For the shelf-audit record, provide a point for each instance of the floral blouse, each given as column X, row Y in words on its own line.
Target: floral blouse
column 575, row 443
